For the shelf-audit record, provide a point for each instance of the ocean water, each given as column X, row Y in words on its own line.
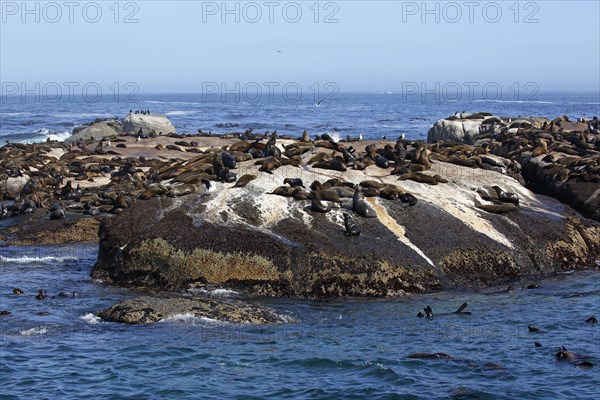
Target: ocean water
column 343, row 348
column 374, row 115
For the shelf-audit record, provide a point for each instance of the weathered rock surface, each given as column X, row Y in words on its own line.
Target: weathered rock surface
column 11, row 187
column 94, row 131
column 255, row 242
column 466, row 128
column 139, row 124
column 458, row 130
column 146, row 309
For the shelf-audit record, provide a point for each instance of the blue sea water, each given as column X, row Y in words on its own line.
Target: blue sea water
column 344, row 348
column 374, row 115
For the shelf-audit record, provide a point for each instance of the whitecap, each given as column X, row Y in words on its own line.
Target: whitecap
column 34, row 260
column 91, row 319
column 173, row 113
column 38, row 330
column 191, row 319
column 215, row 292
column 59, row 136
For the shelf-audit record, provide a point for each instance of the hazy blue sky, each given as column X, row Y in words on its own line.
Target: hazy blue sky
column 374, row 45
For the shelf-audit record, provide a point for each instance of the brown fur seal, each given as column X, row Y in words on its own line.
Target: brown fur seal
column 352, row 229
column 564, row 355
column 305, row 137
column 57, row 214
column 360, row 206
column 181, row 190
column 335, row 164
column 506, row 197
column 41, row 295
column 317, row 206
column 369, row 192
column 285, row 191
column 244, row 180
column 498, row 208
column 329, row 195
column 269, row 165
column 17, row 291
column 302, row 194
column 421, row 178
column 390, row 192
column 373, row 184
column 293, row 182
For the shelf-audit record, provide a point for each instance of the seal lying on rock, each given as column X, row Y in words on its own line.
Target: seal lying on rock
column 317, row 206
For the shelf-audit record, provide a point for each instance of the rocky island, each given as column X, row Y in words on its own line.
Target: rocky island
column 486, row 201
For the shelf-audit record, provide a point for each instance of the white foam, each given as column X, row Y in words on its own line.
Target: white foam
column 190, row 319
column 38, row 330
column 216, row 292
column 34, row 260
column 59, row 136
column 335, row 136
column 91, row 319
column 187, row 317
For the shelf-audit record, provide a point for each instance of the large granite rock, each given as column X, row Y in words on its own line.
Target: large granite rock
column 139, row 124
column 95, row 131
column 458, row 130
column 466, row 128
column 11, row 187
column 252, row 241
column 147, row 309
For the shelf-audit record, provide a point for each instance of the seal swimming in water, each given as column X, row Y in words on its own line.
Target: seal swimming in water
column 564, row 355
column 592, row 320
column 360, row 206
column 352, row 229
column 17, row 291
column 5, row 312
column 41, row 295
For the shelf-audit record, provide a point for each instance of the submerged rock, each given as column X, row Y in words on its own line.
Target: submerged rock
column 146, row 309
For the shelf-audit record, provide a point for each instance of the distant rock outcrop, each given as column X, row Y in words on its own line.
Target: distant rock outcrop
column 95, row 131
column 466, row 128
column 147, row 125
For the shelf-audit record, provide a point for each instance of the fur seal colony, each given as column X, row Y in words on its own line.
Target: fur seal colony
column 318, row 217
